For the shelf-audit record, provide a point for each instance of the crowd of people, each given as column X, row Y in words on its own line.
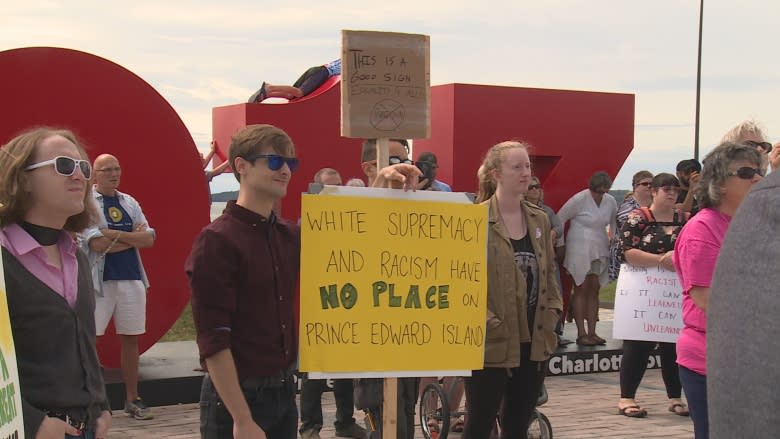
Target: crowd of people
column 70, row 246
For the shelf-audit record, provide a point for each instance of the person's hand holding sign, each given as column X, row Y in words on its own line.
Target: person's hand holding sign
column 398, row 176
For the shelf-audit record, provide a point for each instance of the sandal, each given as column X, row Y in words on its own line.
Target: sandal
column 586, row 340
column 457, row 426
column 632, row 411
column 259, row 96
column 598, row 339
column 679, row 409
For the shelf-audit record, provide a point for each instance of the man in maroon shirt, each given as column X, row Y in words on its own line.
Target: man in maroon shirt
column 243, row 270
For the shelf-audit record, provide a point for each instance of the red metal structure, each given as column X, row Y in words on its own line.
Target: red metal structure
column 314, row 124
column 114, row 111
column 574, row 134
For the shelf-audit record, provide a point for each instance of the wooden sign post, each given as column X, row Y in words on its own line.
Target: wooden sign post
column 385, row 93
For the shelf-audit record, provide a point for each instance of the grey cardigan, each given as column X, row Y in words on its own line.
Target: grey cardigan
column 55, row 346
column 743, row 347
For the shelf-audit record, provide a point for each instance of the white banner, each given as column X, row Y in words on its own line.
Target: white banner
column 648, row 304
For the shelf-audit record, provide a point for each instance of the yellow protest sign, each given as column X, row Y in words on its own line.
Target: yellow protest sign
column 392, row 285
column 11, row 425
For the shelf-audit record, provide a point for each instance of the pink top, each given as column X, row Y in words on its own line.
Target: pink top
column 33, row 257
column 695, row 254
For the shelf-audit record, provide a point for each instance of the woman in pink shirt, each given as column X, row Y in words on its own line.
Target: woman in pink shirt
column 730, row 170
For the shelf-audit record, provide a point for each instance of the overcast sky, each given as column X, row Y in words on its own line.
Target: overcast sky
column 203, row 54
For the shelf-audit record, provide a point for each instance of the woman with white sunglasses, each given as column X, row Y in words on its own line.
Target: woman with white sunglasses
column 44, row 202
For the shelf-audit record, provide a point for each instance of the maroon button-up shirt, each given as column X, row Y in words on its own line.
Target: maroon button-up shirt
column 243, row 270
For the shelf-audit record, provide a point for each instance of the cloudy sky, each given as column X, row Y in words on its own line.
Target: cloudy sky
column 202, row 54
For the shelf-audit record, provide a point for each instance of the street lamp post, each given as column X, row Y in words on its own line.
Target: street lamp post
column 698, row 84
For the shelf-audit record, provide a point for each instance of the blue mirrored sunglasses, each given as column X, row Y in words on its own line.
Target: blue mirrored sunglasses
column 275, row 161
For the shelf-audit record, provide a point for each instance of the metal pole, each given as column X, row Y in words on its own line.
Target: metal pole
column 698, row 83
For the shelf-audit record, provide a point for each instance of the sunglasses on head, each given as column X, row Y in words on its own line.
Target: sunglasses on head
column 764, row 146
column 275, row 161
column 394, row 160
column 534, row 186
column 746, row 173
column 65, row 166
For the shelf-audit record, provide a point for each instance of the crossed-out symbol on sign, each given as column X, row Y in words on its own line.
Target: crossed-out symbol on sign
column 387, row 115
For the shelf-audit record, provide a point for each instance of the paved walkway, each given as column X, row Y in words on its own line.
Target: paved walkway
column 580, row 406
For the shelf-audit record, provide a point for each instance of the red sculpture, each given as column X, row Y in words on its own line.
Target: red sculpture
column 114, row 111
column 574, row 134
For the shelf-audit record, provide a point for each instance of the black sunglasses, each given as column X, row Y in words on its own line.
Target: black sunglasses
column 394, row 160
column 746, row 173
column 275, row 161
column 65, row 166
column 534, row 186
column 671, row 188
column 645, row 184
column 764, row 146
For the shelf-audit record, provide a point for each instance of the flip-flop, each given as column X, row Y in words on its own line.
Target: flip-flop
column 683, row 412
column 457, row 426
column 632, row 411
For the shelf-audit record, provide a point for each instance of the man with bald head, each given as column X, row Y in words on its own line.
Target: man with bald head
column 117, row 272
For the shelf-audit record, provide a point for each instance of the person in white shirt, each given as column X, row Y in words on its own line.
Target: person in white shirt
column 590, row 211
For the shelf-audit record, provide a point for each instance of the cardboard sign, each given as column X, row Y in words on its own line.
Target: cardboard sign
column 11, row 424
column 392, row 287
column 385, row 85
column 648, row 304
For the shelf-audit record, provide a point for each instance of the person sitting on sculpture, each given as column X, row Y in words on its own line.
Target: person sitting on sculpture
column 311, row 80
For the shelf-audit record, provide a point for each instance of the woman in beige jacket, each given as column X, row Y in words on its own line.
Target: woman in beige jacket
column 523, row 299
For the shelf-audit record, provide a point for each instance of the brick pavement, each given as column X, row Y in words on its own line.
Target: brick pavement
column 580, row 406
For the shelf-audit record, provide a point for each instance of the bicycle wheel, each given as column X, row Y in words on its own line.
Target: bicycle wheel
column 434, row 412
column 540, row 427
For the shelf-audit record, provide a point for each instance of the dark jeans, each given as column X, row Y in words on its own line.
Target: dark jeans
column 518, row 387
column 311, row 403
column 407, row 402
column 312, row 79
column 634, row 364
column 695, row 387
column 272, row 405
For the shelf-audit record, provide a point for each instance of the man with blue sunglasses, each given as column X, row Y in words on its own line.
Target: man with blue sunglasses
column 243, row 272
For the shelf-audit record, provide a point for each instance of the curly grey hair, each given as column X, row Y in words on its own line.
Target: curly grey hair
column 716, row 170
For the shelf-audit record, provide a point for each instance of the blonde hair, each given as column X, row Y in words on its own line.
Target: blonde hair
column 743, row 130
column 14, row 157
column 492, row 161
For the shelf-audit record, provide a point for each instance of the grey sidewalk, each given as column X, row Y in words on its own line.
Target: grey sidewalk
column 580, row 406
